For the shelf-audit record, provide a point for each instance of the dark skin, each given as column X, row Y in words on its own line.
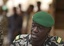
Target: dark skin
column 39, row 34
column 5, row 12
column 38, row 5
column 20, row 7
column 30, row 9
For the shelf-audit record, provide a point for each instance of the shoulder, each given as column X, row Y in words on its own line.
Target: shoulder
column 24, row 39
column 55, row 41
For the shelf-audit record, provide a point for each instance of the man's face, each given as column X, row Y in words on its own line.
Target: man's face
column 39, row 32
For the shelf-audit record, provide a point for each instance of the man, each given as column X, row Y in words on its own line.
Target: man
column 42, row 24
column 3, row 23
column 29, row 14
column 15, row 26
column 38, row 6
column 19, row 10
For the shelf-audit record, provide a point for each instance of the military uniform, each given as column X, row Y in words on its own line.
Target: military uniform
column 50, row 41
column 3, row 24
column 53, row 41
column 46, row 21
column 22, row 40
column 3, row 28
column 1, row 32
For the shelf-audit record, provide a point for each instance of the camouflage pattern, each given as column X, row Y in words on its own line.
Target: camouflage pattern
column 50, row 41
column 3, row 28
column 4, row 25
column 53, row 41
column 22, row 40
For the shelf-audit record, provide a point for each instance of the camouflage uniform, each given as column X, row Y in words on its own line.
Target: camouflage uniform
column 50, row 41
column 53, row 41
column 1, row 32
column 3, row 28
column 22, row 40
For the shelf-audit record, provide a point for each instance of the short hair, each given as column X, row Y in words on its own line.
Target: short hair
column 31, row 6
column 19, row 5
column 14, row 9
column 38, row 2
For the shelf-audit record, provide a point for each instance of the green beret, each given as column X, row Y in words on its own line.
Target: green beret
column 43, row 18
column 4, row 8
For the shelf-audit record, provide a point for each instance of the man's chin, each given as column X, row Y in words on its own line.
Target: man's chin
column 35, row 38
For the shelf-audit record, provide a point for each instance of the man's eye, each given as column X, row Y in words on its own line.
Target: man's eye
column 33, row 25
column 40, row 27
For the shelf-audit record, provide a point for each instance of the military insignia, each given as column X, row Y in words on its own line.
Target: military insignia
column 59, row 39
column 17, row 37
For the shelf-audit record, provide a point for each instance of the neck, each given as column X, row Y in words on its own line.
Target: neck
column 39, row 9
column 28, row 13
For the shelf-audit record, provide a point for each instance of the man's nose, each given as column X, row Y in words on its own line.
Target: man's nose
column 35, row 29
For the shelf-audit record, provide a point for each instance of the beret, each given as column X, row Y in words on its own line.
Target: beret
column 4, row 8
column 43, row 18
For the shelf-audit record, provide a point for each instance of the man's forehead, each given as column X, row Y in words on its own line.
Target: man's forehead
column 36, row 24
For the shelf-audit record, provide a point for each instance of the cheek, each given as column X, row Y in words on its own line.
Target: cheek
column 43, row 34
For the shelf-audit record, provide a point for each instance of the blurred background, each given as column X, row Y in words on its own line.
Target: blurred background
column 54, row 7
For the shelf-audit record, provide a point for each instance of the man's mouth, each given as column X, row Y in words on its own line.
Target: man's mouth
column 33, row 36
